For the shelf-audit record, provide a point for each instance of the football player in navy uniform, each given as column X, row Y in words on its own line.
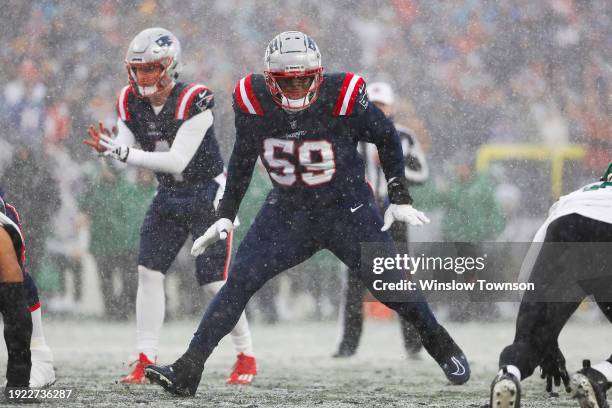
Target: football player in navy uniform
column 42, row 373
column 416, row 171
column 172, row 123
column 569, row 260
column 305, row 126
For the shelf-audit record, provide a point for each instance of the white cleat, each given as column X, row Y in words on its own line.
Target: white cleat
column 589, row 386
column 583, row 392
column 42, row 374
column 505, row 391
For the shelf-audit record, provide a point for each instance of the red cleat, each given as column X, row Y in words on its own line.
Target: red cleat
column 245, row 369
column 137, row 375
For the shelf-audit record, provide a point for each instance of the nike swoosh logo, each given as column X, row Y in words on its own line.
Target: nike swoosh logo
column 201, row 94
column 460, row 368
column 356, row 208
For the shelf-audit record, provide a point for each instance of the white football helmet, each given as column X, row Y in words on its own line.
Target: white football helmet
column 293, row 54
column 154, row 46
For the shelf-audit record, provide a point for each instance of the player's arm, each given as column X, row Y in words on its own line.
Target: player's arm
column 381, row 131
column 239, row 173
column 123, row 136
column 185, row 145
column 240, row 170
column 10, row 271
column 188, row 139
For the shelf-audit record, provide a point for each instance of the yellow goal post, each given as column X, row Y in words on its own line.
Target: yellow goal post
column 557, row 156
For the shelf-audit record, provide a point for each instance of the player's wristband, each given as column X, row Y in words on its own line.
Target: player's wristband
column 398, row 191
column 226, row 210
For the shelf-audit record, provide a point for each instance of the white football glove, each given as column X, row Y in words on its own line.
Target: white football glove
column 114, row 150
column 403, row 213
column 219, row 230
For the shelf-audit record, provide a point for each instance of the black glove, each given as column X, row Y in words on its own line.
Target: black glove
column 552, row 368
column 398, row 191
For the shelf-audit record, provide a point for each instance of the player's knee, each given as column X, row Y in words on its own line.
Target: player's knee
column 148, row 276
column 241, row 283
column 212, row 288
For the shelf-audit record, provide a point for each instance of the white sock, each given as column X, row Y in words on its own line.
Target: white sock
column 605, row 368
column 512, row 370
column 150, row 309
column 241, row 337
column 240, row 334
column 37, row 327
column 38, row 344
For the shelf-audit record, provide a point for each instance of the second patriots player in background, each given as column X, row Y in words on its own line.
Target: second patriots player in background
column 172, row 122
column 305, row 125
column 416, row 171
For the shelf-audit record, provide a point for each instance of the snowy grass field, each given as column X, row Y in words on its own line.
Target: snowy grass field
column 296, row 370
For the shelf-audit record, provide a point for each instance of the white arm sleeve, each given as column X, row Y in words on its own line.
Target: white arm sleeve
column 187, row 141
column 125, row 136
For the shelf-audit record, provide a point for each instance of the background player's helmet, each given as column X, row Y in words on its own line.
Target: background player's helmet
column 381, row 92
column 154, row 46
column 293, row 54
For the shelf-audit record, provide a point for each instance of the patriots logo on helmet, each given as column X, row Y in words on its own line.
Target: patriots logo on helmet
column 164, row 41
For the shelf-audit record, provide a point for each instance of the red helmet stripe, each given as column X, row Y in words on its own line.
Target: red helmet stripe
column 186, row 99
column 122, row 103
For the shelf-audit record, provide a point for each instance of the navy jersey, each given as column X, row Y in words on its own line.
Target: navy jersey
column 311, row 155
column 157, row 132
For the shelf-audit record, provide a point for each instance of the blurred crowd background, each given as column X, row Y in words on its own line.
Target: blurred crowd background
column 466, row 73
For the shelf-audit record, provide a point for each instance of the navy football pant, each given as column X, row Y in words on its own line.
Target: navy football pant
column 31, row 292
column 539, row 323
column 172, row 216
column 352, row 307
column 281, row 238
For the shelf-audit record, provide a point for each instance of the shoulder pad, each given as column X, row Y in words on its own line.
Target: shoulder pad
column 122, row 103
column 352, row 98
column 195, row 98
column 244, row 97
